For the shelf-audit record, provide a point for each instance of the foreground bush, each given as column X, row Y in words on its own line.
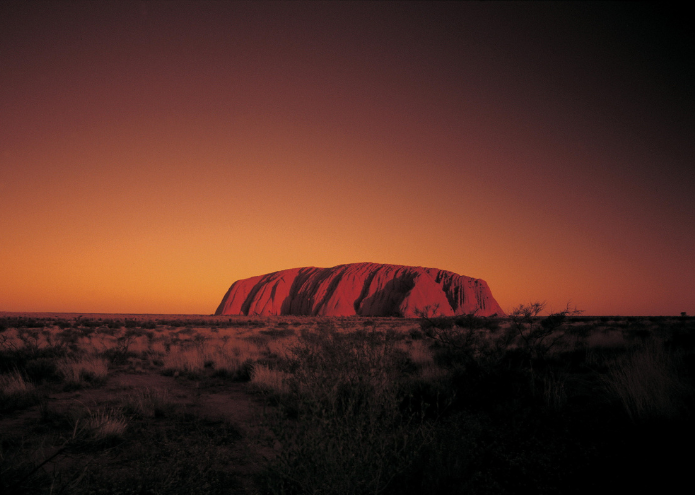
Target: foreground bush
column 343, row 430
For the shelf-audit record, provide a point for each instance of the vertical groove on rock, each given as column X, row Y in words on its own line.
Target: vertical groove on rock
column 365, row 290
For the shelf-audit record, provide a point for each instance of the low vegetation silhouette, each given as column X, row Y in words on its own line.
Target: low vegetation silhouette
column 561, row 403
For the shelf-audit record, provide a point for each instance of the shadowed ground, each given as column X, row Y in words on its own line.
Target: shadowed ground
column 135, row 404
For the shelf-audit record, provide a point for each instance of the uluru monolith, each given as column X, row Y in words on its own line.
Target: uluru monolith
column 360, row 289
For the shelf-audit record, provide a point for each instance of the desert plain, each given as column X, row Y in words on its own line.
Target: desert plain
column 167, row 404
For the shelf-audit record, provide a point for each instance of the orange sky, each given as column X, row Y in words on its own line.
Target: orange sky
column 152, row 153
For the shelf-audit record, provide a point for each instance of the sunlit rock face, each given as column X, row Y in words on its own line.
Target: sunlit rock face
column 359, row 289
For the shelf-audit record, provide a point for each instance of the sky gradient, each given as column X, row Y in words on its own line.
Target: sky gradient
column 152, row 153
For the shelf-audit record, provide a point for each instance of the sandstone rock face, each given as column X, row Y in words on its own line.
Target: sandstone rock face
column 362, row 289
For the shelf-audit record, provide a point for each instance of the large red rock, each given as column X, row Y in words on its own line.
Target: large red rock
column 362, row 289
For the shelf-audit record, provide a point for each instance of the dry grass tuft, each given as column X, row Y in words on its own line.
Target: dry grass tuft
column 102, row 426
column 269, row 380
column 190, row 360
column 282, row 347
column 647, row 383
column 244, row 350
column 223, row 359
column 554, row 391
column 14, row 384
column 89, row 369
column 149, row 403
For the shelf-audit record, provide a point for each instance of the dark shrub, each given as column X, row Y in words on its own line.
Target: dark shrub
column 69, row 335
column 38, row 370
column 245, row 371
column 278, row 333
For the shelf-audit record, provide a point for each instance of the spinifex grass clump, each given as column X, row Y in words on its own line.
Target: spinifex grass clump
column 271, row 380
column 192, row 359
column 82, row 371
column 104, row 426
column 647, row 382
column 14, row 383
column 16, row 392
column 148, row 403
column 344, row 430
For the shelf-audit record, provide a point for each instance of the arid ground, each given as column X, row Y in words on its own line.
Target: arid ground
column 167, row 404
